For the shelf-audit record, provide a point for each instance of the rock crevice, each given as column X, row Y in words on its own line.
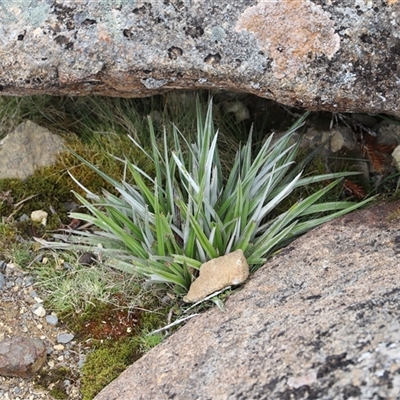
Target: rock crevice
column 321, row 55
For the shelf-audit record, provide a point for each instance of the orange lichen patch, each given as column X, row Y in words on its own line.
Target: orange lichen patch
column 290, row 32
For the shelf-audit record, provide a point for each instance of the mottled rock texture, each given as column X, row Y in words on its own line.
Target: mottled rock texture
column 321, row 320
column 21, row 357
column 27, row 148
column 318, row 54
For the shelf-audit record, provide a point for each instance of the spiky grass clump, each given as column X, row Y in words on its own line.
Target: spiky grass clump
column 165, row 227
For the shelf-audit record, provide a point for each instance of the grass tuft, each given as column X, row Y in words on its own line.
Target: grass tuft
column 165, row 227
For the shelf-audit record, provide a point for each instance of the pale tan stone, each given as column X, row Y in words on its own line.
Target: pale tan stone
column 217, row 274
column 396, row 157
column 39, row 216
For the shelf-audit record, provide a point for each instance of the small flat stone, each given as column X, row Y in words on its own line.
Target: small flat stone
column 217, row 274
column 39, row 311
column 52, row 319
column 21, row 356
column 59, row 347
column 64, row 337
column 28, row 281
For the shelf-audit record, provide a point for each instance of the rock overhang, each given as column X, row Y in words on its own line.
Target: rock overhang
column 317, row 54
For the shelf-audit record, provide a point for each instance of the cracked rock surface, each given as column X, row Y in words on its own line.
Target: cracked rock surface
column 320, row 320
column 318, row 54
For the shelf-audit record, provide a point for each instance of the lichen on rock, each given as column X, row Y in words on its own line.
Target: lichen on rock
column 290, row 32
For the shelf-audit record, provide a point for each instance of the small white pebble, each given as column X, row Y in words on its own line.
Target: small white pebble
column 50, row 363
column 59, row 347
column 40, row 311
column 38, row 300
column 39, row 326
column 39, row 216
column 61, row 358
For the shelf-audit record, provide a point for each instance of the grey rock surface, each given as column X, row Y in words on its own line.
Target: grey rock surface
column 320, row 320
column 52, row 319
column 2, row 280
column 318, row 54
column 21, row 356
column 28, row 147
column 64, row 338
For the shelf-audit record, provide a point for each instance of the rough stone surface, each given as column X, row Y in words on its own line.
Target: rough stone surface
column 321, row 320
column 217, row 274
column 318, row 54
column 39, row 310
column 64, row 338
column 396, row 157
column 21, row 356
column 2, row 280
column 39, row 216
column 29, row 146
column 52, row 319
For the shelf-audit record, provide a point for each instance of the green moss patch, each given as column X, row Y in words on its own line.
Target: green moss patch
column 103, row 365
column 53, row 381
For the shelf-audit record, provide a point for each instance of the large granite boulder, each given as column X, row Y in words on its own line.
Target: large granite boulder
column 321, row 320
column 318, row 54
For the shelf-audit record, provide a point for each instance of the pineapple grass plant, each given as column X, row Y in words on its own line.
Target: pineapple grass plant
column 164, row 227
